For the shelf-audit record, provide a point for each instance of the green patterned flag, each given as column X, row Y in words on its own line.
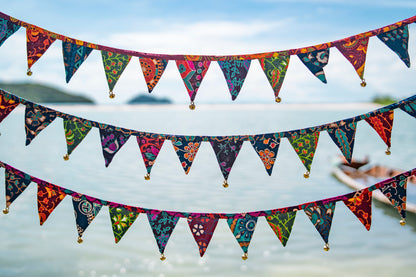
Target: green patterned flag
column 121, row 220
column 75, row 132
column 282, row 225
column 275, row 69
column 114, row 65
column 305, row 146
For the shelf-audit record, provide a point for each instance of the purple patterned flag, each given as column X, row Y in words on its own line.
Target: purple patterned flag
column 226, row 150
column 111, row 142
column 37, row 44
column 202, row 229
column 150, row 148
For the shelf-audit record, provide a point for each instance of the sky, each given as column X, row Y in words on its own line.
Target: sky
column 214, row 28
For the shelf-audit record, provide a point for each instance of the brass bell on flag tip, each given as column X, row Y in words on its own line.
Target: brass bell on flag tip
column 402, row 222
column 6, row 210
column 244, row 256
column 29, row 72
column 147, row 176
column 79, row 240
column 306, row 174
column 388, row 151
column 278, row 99
column 66, row 157
column 111, row 94
column 326, row 247
column 225, row 184
column 363, row 83
column 162, row 257
column 192, row 106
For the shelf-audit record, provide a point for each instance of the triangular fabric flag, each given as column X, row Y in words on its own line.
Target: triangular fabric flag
column 7, row 105
column 74, row 55
column 162, row 224
column 192, row 73
column 114, row 65
column 226, row 150
column 321, row 217
column 121, row 220
column 37, row 44
column 344, row 137
column 359, row 203
column 282, row 224
column 410, row 108
column 186, row 149
column 355, row 50
column 235, row 72
column 85, row 210
column 150, row 148
column 152, row 71
column 305, row 145
column 75, row 132
column 15, row 185
column 266, row 146
column 7, row 29
column 48, row 200
column 202, row 229
column 111, row 142
column 315, row 62
column 243, row 229
column 37, row 118
column 383, row 124
column 275, row 69
column 398, row 40
column 396, row 193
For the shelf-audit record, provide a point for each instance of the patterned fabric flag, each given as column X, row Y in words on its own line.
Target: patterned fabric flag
column 321, row 217
column 344, row 137
column 37, row 44
column 152, row 71
column 85, row 210
column 186, row 149
column 360, row 204
column 383, row 124
column 282, row 225
column 243, row 229
column 396, row 193
column 410, row 108
column 226, row 150
column 7, row 105
column 114, row 65
column 111, row 142
column 48, row 200
column 275, row 69
column 74, row 55
column 266, row 146
column 315, row 62
column 121, row 220
column 305, row 145
column 192, row 73
column 162, row 224
column 397, row 40
column 202, row 229
column 15, row 185
column 7, row 29
column 355, row 50
column 37, row 118
column 150, row 148
column 235, row 72
column 75, row 132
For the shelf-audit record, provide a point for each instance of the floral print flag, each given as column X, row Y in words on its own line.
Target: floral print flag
column 111, row 142
column 396, row 193
column 243, row 229
column 383, row 124
column 114, row 65
column 304, row 145
column 235, row 72
column 202, row 229
column 192, row 73
column 162, row 224
column 360, row 204
column 121, row 220
column 152, row 71
column 186, row 149
column 15, row 185
column 281, row 224
column 37, row 44
column 275, row 69
column 48, row 199
column 37, row 118
column 150, row 148
column 266, row 146
column 7, row 105
column 75, row 132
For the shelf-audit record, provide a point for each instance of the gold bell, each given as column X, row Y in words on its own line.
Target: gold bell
column 306, row 174
column 278, row 99
column 111, row 95
column 225, row 184
column 29, row 72
column 363, row 83
column 192, row 106
column 0, row 134
column 162, row 257
column 79, row 240
column 326, row 247
column 6, row 210
column 66, row 157
column 402, row 222
column 388, row 151
column 147, row 176
column 244, row 256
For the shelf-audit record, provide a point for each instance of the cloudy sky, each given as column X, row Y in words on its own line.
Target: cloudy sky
column 214, row 28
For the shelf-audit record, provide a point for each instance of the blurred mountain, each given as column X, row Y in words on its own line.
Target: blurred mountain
column 148, row 99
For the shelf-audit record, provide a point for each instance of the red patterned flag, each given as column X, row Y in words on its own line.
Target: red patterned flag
column 360, row 204
column 383, row 124
column 7, row 105
column 150, row 148
column 192, row 73
column 152, row 71
column 202, row 229
column 37, row 44
column 48, row 200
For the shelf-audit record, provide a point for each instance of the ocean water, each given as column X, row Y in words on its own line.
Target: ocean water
column 28, row 249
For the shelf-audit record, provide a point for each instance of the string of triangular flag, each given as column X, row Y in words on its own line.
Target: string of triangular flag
column 202, row 225
column 226, row 148
column 193, row 68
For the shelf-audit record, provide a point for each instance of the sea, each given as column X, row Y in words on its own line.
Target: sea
column 28, row 249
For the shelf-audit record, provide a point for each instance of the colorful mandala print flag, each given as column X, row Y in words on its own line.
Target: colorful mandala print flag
column 37, row 118
column 305, row 145
column 7, row 29
column 235, row 73
column 74, row 55
column 150, row 148
column 396, row 193
column 192, row 73
column 162, row 225
column 37, row 44
column 111, row 142
column 114, row 65
column 360, row 204
column 121, row 220
column 321, row 217
column 186, row 149
column 355, row 50
column 275, row 69
column 85, row 209
column 410, row 108
column 344, row 137
column 226, row 150
column 152, row 71
column 315, row 62
column 15, row 185
column 75, row 132
column 398, row 40
column 243, row 229
column 282, row 225
column 48, row 200
column 266, row 146
column 383, row 124
column 7, row 105
column 202, row 229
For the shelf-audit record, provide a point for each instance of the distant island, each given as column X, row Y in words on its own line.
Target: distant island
column 148, row 99
column 384, row 100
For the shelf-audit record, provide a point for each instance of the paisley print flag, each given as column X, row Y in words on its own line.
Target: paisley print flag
column 282, row 224
column 315, row 62
column 410, row 108
column 305, row 145
column 37, row 118
column 85, row 209
column 186, row 149
column 162, row 224
column 321, row 217
column 396, row 193
column 150, row 148
column 202, row 229
column 121, row 220
column 152, row 71
column 74, row 55
column 7, row 105
column 226, row 151
column 7, row 29
column 37, row 44
column 266, row 146
column 243, row 229
column 275, row 69
column 192, row 73
column 15, row 185
column 114, row 65
column 48, row 200
column 359, row 203
column 398, row 40
column 383, row 124
column 75, row 132
column 235, row 72
column 344, row 136
column 111, row 142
